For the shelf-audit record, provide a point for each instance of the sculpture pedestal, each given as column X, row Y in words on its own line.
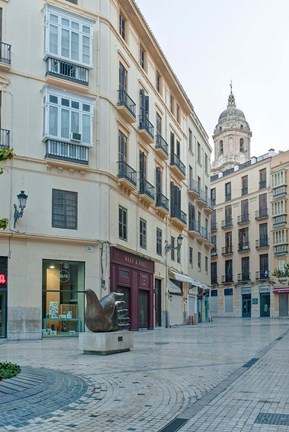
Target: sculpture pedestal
column 105, row 343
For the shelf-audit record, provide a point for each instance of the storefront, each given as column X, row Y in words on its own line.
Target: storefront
column 63, row 298
column 282, row 304
column 265, row 301
column 133, row 276
column 3, row 296
column 176, row 306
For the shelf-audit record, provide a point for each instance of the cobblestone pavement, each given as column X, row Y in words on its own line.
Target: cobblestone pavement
column 228, row 375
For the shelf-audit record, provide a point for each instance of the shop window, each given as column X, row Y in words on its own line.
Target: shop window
column 228, row 292
column 64, row 209
column 63, row 298
column 214, row 301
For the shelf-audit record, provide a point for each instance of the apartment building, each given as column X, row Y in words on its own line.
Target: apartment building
column 109, row 186
column 249, row 223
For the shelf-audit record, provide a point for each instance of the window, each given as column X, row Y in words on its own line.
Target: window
column 122, row 223
column 242, row 149
column 72, row 1
column 206, row 164
column 173, row 248
column 244, row 239
column 244, row 210
column 221, row 147
column 263, row 211
column 158, row 82
column 228, row 215
column 214, row 275
column 64, row 209
column 245, row 269
column 142, row 171
column 179, row 255
column 68, row 37
column 159, row 236
column 122, row 146
column 228, row 271
column 172, row 104
column 206, row 264
column 178, row 114
column 228, row 242
column 142, row 56
column 214, row 301
column 122, row 77
column 262, row 178
column 264, row 267
column 227, row 191
column 67, row 117
column 175, row 200
column 244, row 181
column 143, row 233
column 190, row 140
column 191, row 256
column 213, row 197
column 122, row 23
column 190, row 177
column 228, row 292
column 199, row 152
column 199, row 261
column 263, row 234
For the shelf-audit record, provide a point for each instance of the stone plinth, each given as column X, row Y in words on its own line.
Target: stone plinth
column 105, row 343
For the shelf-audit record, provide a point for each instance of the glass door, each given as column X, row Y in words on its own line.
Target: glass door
column 143, row 308
column 3, row 309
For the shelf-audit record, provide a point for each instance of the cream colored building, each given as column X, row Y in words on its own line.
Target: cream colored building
column 115, row 164
column 249, row 223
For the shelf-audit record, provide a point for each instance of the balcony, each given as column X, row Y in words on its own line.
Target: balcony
column 279, row 191
column 244, row 277
column 146, row 129
column 281, row 250
column 4, row 138
column 194, row 189
column 5, row 56
column 146, row 192
column 178, row 217
column 126, row 176
column 227, row 250
column 66, row 152
column 126, row 106
column 205, row 237
column 262, row 275
column 244, row 246
column 214, row 280
column 262, row 243
column 162, row 147
column 202, row 199
column 261, row 214
column 228, row 197
column 162, row 204
column 227, row 279
column 279, row 220
column 177, row 166
column 227, row 223
column 243, row 219
column 68, row 71
column 214, row 226
column 194, row 229
column 214, row 252
column 262, row 184
column 244, row 191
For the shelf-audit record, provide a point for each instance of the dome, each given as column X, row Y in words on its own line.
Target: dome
column 232, row 117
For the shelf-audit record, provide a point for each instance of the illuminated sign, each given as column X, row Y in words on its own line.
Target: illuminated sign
column 2, row 279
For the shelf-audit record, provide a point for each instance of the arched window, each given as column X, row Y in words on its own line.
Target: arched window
column 242, row 145
column 221, row 147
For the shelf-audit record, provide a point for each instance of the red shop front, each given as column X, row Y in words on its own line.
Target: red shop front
column 133, row 276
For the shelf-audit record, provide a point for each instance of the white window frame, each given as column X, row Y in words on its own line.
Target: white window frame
column 72, row 21
column 47, row 92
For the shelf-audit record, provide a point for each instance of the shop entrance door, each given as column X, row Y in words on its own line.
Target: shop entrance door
column 265, row 305
column 126, row 298
column 158, row 303
column 283, row 305
column 3, row 320
column 143, row 304
column 246, row 305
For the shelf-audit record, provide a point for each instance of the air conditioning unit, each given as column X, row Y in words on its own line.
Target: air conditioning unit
column 74, row 136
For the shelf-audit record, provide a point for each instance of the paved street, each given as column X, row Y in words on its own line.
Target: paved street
column 228, row 375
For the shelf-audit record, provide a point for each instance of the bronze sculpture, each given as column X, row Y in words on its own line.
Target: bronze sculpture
column 107, row 314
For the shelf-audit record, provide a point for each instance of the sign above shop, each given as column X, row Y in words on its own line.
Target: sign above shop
column 2, row 279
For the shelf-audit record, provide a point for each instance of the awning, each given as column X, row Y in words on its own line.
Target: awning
column 284, row 290
column 181, row 277
column 173, row 288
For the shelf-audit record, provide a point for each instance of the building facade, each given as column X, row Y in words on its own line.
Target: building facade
column 115, row 165
column 249, row 224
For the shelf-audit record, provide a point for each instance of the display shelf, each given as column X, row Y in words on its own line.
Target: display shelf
column 61, row 326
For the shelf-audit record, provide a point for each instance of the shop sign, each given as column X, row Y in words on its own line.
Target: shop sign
column 64, row 276
column 2, row 279
column 254, row 301
column 246, row 290
column 264, row 289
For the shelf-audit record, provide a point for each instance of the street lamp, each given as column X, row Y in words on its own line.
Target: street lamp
column 169, row 247
column 22, row 199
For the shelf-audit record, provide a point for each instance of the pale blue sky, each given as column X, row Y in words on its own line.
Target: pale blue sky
column 208, row 43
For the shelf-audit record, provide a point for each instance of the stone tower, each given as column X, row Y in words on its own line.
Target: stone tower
column 232, row 137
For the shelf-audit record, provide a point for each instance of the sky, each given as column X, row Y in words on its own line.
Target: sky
column 209, row 43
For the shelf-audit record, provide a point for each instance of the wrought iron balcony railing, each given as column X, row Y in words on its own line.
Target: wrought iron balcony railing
column 127, row 172
column 4, row 138
column 227, row 223
column 244, row 246
column 263, row 275
column 162, row 201
column 194, row 225
column 162, row 144
column 66, row 151
column 244, row 277
column 66, row 70
column 261, row 213
column 126, row 101
column 227, row 250
column 146, row 188
column 262, row 242
column 145, row 124
column 175, row 160
column 228, row 278
column 179, row 214
column 243, row 218
column 5, row 53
